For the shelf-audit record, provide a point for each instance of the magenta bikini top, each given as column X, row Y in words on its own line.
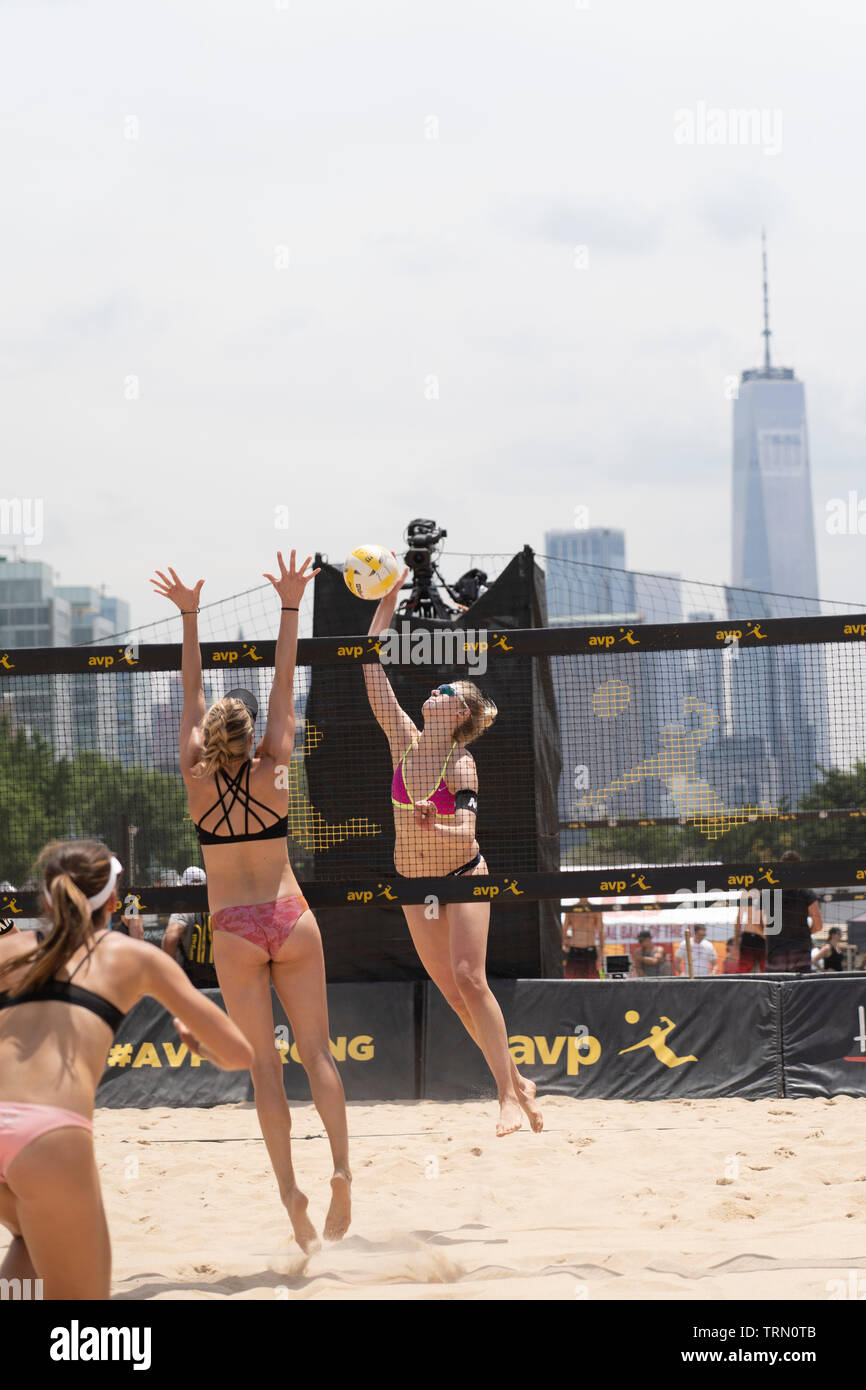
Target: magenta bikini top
column 441, row 798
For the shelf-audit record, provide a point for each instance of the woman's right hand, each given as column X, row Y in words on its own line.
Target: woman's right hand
column 187, row 1036
column 186, row 599
column 392, row 598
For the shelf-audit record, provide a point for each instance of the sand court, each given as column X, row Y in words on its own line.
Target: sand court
column 711, row 1200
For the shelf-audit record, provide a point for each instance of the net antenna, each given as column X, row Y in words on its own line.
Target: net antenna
column 766, row 331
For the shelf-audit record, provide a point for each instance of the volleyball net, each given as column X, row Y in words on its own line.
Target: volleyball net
column 627, row 759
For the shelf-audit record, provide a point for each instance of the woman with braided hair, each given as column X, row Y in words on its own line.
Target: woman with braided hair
column 435, row 836
column 263, row 931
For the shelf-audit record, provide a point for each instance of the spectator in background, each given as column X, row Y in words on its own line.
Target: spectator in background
column 830, row 955
column 191, row 934
column 750, row 949
column 646, row 959
column 789, row 940
column 731, row 963
column 182, row 924
column 704, row 958
column 580, row 935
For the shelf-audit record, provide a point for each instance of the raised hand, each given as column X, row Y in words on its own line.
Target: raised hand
column 392, row 598
column 291, row 582
column 186, row 599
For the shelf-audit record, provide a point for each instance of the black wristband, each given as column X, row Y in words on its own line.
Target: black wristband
column 290, row 610
column 189, row 612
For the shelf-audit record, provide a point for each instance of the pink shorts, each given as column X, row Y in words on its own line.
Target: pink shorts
column 21, row 1124
column 265, row 925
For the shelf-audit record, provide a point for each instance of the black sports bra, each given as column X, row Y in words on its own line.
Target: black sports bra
column 277, row 830
column 64, row 991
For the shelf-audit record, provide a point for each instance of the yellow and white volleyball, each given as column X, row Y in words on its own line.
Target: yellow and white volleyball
column 370, row 571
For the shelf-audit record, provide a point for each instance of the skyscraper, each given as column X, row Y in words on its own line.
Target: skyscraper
column 772, row 531
column 586, row 576
column 773, row 551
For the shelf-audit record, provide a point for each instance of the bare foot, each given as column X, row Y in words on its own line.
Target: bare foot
column 526, row 1086
column 295, row 1204
column 340, row 1210
column 509, row 1118
column 531, row 1110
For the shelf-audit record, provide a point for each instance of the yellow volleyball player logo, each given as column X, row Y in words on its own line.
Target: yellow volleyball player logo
column 307, row 826
column 4, row 661
column 675, row 764
column 656, row 1041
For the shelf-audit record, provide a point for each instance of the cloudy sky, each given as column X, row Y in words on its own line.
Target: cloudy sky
column 367, row 261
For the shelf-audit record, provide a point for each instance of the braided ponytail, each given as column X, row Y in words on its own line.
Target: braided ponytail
column 228, row 730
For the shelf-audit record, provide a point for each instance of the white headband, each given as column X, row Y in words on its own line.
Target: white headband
column 104, row 894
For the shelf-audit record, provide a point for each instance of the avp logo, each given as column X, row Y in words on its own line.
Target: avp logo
column 581, row 1051
column 492, row 890
column 4, row 661
column 657, row 1041
column 607, row 639
column 9, row 905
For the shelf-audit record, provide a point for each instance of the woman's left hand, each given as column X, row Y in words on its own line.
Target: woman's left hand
column 292, row 582
column 425, row 815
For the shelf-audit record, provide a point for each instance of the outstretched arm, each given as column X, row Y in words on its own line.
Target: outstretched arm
column 396, row 724
column 279, row 733
column 193, row 689
column 202, row 1026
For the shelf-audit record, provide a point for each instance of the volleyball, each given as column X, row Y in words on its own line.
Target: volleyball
column 370, row 571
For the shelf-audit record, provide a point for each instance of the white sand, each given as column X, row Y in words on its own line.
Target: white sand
column 616, row 1200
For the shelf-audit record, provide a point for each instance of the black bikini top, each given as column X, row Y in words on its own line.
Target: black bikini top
column 65, row 992
column 277, row 830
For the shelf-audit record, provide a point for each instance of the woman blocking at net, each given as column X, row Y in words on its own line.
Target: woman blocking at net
column 61, row 1002
column 434, row 792
column 263, row 931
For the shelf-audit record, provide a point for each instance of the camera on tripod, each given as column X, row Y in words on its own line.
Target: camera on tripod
column 423, row 538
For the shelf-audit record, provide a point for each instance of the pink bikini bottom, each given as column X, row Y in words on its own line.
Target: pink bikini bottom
column 21, row 1124
column 265, row 925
